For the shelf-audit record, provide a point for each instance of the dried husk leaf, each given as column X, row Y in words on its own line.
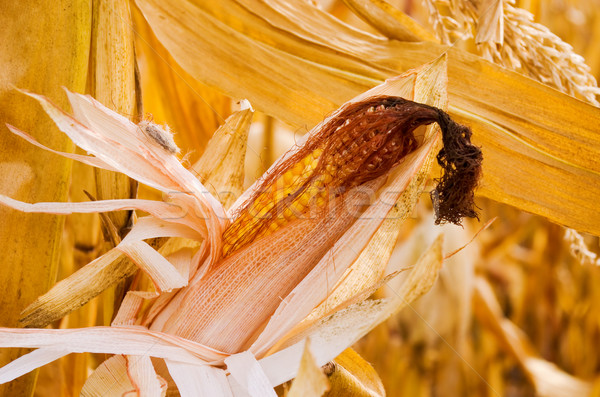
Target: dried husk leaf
column 26, row 61
column 222, row 164
column 194, row 380
column 310, row 381
column 144, row 378
column 77, row 289
column 556, row 143
column 353, row 376
column 135, row 341
column 332, row 335
column 109, row 379
column 247, row 377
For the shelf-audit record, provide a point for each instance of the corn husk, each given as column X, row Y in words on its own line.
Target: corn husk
column 310, row 381
column 88, row 282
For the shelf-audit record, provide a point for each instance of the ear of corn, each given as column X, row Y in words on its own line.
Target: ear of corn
column 361, row 142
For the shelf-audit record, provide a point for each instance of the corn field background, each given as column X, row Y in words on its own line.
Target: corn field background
column 515, row 313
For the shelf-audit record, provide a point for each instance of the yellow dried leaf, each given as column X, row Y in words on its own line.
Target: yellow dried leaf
column 388, row 20
column 352, row 376
column 29, row 29
column 222, row 165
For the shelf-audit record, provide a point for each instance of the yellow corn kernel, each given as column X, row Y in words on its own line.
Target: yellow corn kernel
column 319, row 182
column 263, row 211
column 314, row 163
column 321, row 201
column 288, row 214
column 289, row 177
column 297, row 169
column 307, row 160
column 255, row 223
column 297, row 207
column 303, row 200
column 327, row 178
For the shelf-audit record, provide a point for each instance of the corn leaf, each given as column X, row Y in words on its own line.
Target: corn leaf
column 26, row 173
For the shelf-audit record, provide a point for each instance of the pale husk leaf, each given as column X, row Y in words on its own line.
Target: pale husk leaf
column 223, row 162
column 332, row 335
column 74, row 291
column 246, row 373
column 144, row 378
column 109, row 379
column 310, row 380
column 199, row 380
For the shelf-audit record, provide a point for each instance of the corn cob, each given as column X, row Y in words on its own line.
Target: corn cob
column 363, row 141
